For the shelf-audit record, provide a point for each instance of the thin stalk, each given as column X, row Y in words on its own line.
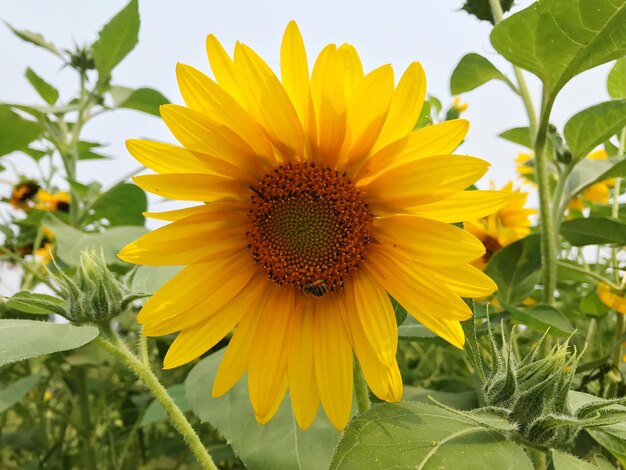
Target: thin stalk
column 89, row 453
column 361, row 391
column 114, row 346
column 558, row 203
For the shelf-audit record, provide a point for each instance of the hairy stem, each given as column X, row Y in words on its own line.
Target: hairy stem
column 114, row 346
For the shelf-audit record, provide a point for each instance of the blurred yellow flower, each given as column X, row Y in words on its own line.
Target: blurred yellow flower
column 46, row 247
column 596, row 193
column 323, row 199
column 22, row 193
column 525, row 167
column 509, row 224
column 612, row 298
column 458, row 105
column 46, row 201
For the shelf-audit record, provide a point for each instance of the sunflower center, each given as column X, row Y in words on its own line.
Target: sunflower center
column 308, row 227
column 491, row 246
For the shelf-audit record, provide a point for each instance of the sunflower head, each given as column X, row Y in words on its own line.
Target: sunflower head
column 46, row 201
column 612, row 298
column 22, row 193
column 322, row 202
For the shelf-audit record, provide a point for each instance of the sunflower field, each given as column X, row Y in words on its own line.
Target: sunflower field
column 314, row 272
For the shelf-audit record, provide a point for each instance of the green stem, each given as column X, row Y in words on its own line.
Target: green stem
column 522, row 86
column 547, row 226
column 114, row 346
column 86, row 425
column 559, row 205
column 361, row 391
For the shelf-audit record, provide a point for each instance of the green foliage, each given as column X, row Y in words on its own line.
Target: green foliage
column 558, row 39
column 563, row 461
column 418, row 435
column 542, row 318
column 594, row 231
column 45, row 90
column 145, row 100
column 232, row 416
column 518, row 135
column 36, row 304
column 123, row 204
column 588, row 172
column 593, row 126
column 616, row 81
column 155, row 413
column 472, row 71
column 15, row 131
column 24, row 339
column 14, row 392
column 115, row 40
column 34, row 38
column 482, row 10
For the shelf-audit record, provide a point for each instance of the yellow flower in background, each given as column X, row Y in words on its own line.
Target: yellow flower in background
column 596, row 193
column 612, row 298
column 509, row 224
column 458, row 105
column 322, row 200
column 46, row 201
column 22, row 193
column 525, row 167
column 46, row 247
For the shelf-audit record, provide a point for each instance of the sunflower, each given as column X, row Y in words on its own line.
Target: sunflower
column 509, row 224
column 524, row 165
column 52, row 202
column 321, row 201
column 22, row 193
column 612, row 298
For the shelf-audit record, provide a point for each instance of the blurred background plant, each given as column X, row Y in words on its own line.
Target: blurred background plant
column 67, row 403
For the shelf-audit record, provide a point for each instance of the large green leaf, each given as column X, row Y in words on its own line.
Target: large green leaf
column 34, row 38
column 588, row 172
column 563, row 461
column 123, row 204
column 36, row 304
column 148, row 279
column 472, row 71
column 518, row 135
column 594, row 231
column 146, row 100
column 516, row 269
column 23, row 339
column 277, row 444
column 558, row 39
column 70, row 242
column 612, row 438
column 592, row 126
column 156, row 413
column 542, row 317
column 420, row 436
column 616, row 81
column 15, row 131
column 45, row 90
column 116, row 39
column 14, row 392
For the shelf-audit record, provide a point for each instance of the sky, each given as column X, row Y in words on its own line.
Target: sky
column 398, row 32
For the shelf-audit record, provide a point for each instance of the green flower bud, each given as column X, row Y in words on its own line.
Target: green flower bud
column 93, row 294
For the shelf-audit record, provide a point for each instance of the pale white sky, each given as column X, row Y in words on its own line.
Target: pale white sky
column 396, row 32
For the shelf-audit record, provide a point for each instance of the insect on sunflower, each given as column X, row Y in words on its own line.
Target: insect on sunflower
column 321, row 199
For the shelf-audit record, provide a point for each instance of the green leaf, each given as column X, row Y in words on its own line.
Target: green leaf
column 481, row 9
column 15, row 131
column 563, row 461
column 592, row 126
column 594, row 231
column 14, row 392
column 85, row 151
column 459, row 400
column 36, row 304
column 472, row 71
column 277, row 444
column 155, row 413
column 23, row 339
column 70, row 241
column 420, row 436
column 616, row 81
column 588, row 172
column 558, row 39
column 123, row 204
column 149, row 279
column 45, row 90
column 116, row 39
column 146, row 100
column 34, row 38
column 518, row 135
column 412, row 330
column 516, row 269
column 612, row 438
column 542, row 317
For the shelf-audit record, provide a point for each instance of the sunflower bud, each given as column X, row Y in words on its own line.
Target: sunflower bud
column 93, row 294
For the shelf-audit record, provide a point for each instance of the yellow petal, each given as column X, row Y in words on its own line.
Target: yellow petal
column 428, row 241
column 190, row 240
column 464, row 280
column 366, row 111
column 333, row 362
column 222, row 66
column 301, row 371
column 353, row 69
column 327, row 89
column 165, row 158
column 185, row 300
column 204, row 95
column 191, row 186
column 383, row 379
column 194, row 341
column 268, row 102
column 424, row 181
column 294, row 70
column 439, row 139
column 464, row 205
column 375, row 312
column 267, row 373
column 178, row 214
column 420, row 296
column 406, row 106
